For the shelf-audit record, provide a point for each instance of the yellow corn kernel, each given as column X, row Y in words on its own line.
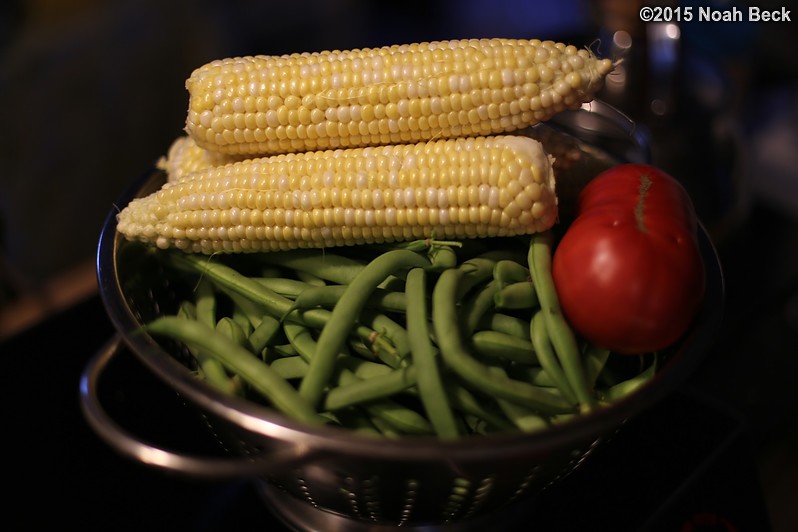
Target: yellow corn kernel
column 264, row 105
column 185, row 157
column 449, row 188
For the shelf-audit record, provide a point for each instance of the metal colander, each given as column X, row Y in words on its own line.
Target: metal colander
column 325, row 478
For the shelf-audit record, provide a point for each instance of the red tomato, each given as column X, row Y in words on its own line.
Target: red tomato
column 628, row 271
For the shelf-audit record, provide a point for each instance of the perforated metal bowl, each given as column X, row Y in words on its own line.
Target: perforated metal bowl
column 324, row 478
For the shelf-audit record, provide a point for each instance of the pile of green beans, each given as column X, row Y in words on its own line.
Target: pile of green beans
column 448, row 339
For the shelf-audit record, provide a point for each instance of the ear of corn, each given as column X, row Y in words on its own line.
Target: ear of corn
column 185, row 157
column 261, row 105
column 451, row 188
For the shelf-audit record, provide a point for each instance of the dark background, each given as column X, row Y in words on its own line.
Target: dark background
column 92, row 93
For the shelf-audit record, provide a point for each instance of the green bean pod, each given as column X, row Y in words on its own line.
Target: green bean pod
column 430, row 386
column 289, row 288
column 321, row 264
column 547, row 358
column 464, row 401
column 327, row 297
column 560, row 333
column 402, row 419
column 628, row 386
column 498, row 345
column 595, row 360
column 231, row 328
column 505, row 323
column 240, row 361
column 205, row 307
column 264, row 333
column 290, row 368
column 210, row 370
column 441, row 257
column 508, row 271
column 394, row 332
column 516, row 296
column 345, row 314
column 522, row 417
column 480, row 301
column 353, row 391
column 454, row 351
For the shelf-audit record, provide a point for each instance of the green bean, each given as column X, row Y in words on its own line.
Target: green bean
column 277, row 351
column 205, row 303
column 463, row 400
column 360, row 349
column 381, row 347
column 383, row 427
column 238, row 315
column 289, row 288
column 187, row 310
column 344, row 315
column 365, row 369
column 230, row 328
column 264, row 333
column 352, row 390
column 394, row 283
column 480, row 268
column 522, row 417
column 430, row 388
column 290, row 368
column 442, row 257
column 505, row 323
column 375, row 345
column 205, row 312
column 595, row 359
column 259, row 376
column 230, row 279
column 534, row 375
column 479, row 426
column 273, row 303
column 401, row 418
column 508, row 271
column 515, row 296
column 327, row 297
column 494, row 344
column 476, row 271
column 356, row 420
column 209, row 368
column 452, row 348
column 311, row 279
column 301, row 339
column 322, row 264
column 628, row 386
column 560, row 333
column 251, row 310
column 480, row 302
column 395, row 333
column 547, row 358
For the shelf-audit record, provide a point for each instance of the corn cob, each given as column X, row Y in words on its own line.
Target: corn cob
column 449, row 188
column 262, row 105
column 185, row 157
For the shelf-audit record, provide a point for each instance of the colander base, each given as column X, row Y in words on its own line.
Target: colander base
column 301, row 516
